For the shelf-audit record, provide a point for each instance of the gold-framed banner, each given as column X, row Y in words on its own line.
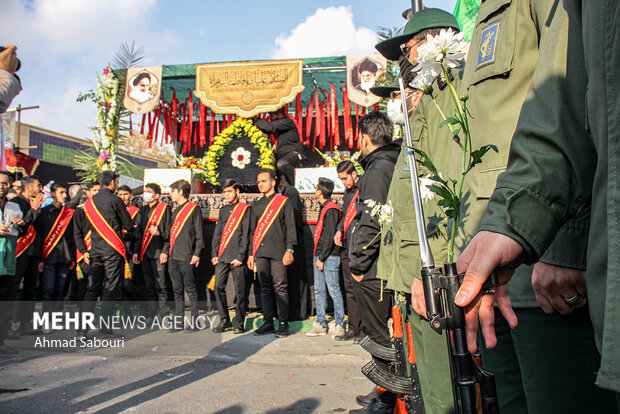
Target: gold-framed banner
column 143, row 89
column 248, row 88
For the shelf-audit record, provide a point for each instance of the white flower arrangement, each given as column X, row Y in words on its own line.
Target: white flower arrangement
column 240, row 158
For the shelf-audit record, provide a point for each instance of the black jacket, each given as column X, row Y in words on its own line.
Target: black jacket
column 190, row 240
column 30, row 216
column 158, row 243
column 325, row 246
column 81, row 226
column 113, row 211
column 374, row 184
column 282, row 234
column 64, row 251
column 287, row 135
column 346, row 201
column 239, row 242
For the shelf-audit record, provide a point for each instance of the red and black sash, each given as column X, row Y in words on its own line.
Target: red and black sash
column 156, row 215
column 231, row 226
column 133, row 212
column 319, row 226
column 179, row 222
column 102, row 227
column 57, row 231
column 266, row 220
column 350, row 214
column 88, row 242
column 25, row 241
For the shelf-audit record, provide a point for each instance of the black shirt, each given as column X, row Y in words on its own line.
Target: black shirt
column 325, row 246
column 157, row 244
column 348, row 195
column 238, row 245
column 281, row 236
column 189, row 242
column 30, row 217
column 64, row 251
column 113, row 211
column 81, row 226
column 287, row 135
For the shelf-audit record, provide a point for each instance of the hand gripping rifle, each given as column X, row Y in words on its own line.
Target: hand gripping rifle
column 440, row 288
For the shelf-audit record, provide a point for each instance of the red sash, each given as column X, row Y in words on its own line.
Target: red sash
column 266, row 220
column 319, row 226
column 231, row 226
column 156, row 215
column 133, row 212
column 102, row 227
column 89, row 243
column 350, row 214
column 179, row 222
column 56, row 232
column 25, row 241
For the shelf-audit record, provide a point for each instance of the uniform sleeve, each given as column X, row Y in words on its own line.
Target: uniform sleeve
column 252, row 228
column 78, row 231
column 551, row 136
column 244, row 236
column 217, row 236
column 164, row 229
column 291, row 229
column 138, row 230
column 197, row 223
column 123, row 214
column 329, row 229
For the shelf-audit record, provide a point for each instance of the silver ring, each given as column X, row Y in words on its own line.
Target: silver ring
column 489, row 291
column 572, row 301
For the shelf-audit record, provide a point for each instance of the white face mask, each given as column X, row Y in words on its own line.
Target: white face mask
column 147, row 197
column 394, row 111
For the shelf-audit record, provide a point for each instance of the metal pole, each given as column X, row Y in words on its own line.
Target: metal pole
column 426, row 256
column 416, row 6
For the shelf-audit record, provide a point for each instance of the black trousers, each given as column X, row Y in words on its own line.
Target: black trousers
column 78, row 287
column 26, row 282
column 375, row 312
column 106, row 276
column 240, row 279
column 182, row 276
column 287, row 164
column 7, row 296
column 155, row 290
column 273, row 288
column 351, row 299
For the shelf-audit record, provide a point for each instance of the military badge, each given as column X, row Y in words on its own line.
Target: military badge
column 488, row 44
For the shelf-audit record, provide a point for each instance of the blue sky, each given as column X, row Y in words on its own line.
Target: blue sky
column 63, row 43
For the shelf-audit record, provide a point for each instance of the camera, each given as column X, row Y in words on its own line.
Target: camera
column 19, row 63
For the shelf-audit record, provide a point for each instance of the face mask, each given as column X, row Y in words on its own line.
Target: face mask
column 395, row 111
column 147, row 197
column 406, row 70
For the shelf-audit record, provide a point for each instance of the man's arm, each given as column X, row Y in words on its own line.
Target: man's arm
column 244, row 235
column 279, row 125
column 123, row 214
column 9, row 84
column 197, row 223
column 291, row 230
column 329, row 229
column 217, row 235
column 79, row 221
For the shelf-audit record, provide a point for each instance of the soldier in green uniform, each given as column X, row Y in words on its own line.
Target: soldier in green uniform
column 562, row 163
column 535, row 362
column 399, row 259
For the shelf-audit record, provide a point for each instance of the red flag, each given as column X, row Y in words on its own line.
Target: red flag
column 157, row 113
column 346, row 113
column 317, row 111
column 190, row 119
column 211, row 127
column 321, row 116
column 309, row 114
column 335, row 124
column 299, row 116
column 328, row 116
column 357, row 121
column 143, row 123
column 203, row 124
column 174, row 103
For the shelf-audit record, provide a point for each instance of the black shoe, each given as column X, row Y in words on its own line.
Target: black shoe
column 265, row 329
column 348, row 336
column 375, row 407
column 283, row 331
column 7, row 350
column 364, row 400
column 239, row 330
column 224, row 326
column 358, row 338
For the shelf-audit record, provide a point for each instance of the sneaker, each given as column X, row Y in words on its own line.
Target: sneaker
column 265, row 329
column 282, row 331
column 14, row 332
column 339, row 332
column 317, row 330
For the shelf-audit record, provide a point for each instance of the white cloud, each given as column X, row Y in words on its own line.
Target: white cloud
column 328, row 32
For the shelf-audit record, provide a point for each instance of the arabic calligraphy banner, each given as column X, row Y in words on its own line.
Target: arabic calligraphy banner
column 248, row 88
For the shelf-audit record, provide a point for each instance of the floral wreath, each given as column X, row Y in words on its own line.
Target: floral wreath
column 238, row 129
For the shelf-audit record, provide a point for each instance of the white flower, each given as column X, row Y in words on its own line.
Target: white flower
column 425, row 192
column 240, row 158
column 447, row 48
column 370, row 203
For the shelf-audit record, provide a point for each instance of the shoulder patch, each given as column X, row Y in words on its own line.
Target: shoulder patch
column 488, row 44
column 406, row 166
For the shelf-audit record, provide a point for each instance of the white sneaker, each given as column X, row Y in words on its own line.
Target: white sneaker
column 339, row 331
column 317, row 330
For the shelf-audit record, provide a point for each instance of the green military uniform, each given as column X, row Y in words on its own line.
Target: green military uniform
column 509, row 39
column 554, row 168
column 399, row 255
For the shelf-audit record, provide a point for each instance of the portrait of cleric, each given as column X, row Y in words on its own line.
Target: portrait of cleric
column 143, row 87
column 365, row 74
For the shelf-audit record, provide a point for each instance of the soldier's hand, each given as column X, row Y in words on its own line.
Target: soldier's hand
column 163, row 258
column 319, row 265
column 194, row 261
column 288, row 259
column 418, row 303
column 236, row 263
column 8, row 59
column 136, row 259
column 86, row 257
column 486, row 252
column 214, row 261
column 338, row 238
column 554, row 284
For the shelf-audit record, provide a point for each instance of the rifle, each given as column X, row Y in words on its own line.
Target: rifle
column 440, row 288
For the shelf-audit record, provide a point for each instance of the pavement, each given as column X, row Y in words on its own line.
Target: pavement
column 199, row 373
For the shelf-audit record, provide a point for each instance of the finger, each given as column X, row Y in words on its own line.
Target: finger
column 477, row 272
column 505, row 305
column 471, row 327
column 487, row 319
column 558, row 301
column 545, row 305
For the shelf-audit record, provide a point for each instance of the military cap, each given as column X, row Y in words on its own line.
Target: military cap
column 385, row 90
